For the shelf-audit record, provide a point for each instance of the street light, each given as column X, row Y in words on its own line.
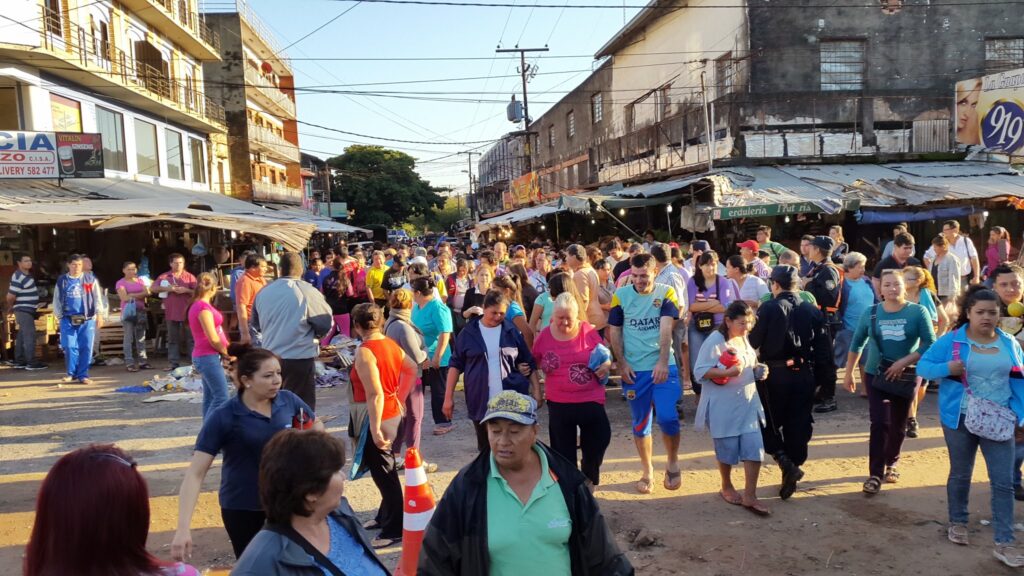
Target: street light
column 668, row 218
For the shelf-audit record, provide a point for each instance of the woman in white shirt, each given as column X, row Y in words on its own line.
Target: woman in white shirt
column 742, row 273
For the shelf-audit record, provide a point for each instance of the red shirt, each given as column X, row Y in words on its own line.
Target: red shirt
column 175, row 305
column 389, row 365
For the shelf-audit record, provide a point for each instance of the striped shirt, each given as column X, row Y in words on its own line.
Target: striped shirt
column 23, row 288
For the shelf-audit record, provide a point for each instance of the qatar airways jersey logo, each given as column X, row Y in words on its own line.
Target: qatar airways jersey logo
column 653, row 323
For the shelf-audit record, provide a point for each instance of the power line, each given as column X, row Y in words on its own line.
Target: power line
column 392, row 139
column 320, row 27
column 675, row 6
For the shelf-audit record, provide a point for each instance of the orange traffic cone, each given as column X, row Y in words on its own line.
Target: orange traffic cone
column 419, row 507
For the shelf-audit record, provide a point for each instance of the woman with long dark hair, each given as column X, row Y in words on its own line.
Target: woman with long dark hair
column 239, row 429
column 979, row 365
column 434, row 320
column 338, row 291
column 509, row 286
column 92, row 517
column 210, row 343
column 709, row 293
column 730, row 407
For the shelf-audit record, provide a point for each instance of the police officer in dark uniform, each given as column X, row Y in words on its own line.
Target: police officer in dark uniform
column 825, row 282
column 796, row 363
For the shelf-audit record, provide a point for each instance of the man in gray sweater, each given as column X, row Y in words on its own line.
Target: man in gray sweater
column 292, row 315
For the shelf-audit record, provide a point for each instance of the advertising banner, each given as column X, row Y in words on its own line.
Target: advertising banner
column 990, row 112
column 50, row 155
column 525, row 189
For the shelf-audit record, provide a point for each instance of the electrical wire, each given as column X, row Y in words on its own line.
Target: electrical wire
column 680, row 5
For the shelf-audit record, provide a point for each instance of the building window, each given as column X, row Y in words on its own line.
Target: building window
column 724, row 70
column 111, row 126
column 551, row 136
column 570, row 123
column 664, row 103
column 54, row 16
column 147, row 155
column 596, row 107
column 197, row 148
column 842, row 65
column 175, row 160
column 1004, row 54
column 66, row 114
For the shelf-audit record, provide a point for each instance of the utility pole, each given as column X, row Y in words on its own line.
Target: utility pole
column 524, row 71
column 707, row 121
column 471, row 201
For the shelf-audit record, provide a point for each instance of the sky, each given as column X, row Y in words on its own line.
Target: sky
column 370, row 30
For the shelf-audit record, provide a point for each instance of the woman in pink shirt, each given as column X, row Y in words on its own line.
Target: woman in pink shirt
column 211, row 344
column 574, row 393
column 998, row 250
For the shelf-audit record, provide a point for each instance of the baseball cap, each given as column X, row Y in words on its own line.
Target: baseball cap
column 823, row 242
column 785, row 274
column 701, row 245
column 749, row 244
column 512, row 405
column 418, row 260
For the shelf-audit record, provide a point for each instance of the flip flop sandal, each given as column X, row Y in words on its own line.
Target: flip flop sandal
column 673, row 480
column 891, row 476
column 442, row 430
column 145, row 366
column 872, row 485
column 429, row 467
column 644, row 486
column 132, row 369
column 735, row 502
column 379, row 543
column 371, row 525
column 957, row 534
column 759, row 510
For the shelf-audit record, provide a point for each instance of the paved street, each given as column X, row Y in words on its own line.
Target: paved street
column 828, row 527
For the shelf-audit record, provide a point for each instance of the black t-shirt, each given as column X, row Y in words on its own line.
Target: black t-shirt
column 890, row 263
column 620, row 268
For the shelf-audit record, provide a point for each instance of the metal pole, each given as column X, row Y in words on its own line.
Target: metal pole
column 524, row 72
column 668, row 218
column 707, row 120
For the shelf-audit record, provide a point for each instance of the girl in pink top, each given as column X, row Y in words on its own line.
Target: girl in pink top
column 998, row 250
column 211, row 344
column 574, row 392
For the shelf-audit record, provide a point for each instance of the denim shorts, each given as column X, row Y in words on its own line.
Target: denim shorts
column 748, row 447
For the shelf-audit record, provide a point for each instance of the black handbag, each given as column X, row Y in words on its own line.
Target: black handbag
column 704, row 322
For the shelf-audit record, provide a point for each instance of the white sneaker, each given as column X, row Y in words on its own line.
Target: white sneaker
column 1009, row 554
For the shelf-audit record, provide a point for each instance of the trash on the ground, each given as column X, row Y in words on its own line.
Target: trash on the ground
column 331, row 378
column 190, row 397
column 345, row 348
column 115, row 361
column 985, row 522
column 181, row 378
column 134, row 389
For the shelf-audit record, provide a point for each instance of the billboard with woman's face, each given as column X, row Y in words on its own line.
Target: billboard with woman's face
column 990, row 112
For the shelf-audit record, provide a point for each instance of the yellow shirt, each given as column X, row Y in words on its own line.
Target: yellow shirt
column 375, row 282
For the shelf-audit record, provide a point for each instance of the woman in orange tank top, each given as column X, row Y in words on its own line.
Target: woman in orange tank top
column 381, row 379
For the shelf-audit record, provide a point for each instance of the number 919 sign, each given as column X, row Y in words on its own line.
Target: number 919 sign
column 1003, row 126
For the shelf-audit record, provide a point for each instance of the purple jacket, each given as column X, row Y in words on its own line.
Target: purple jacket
column 469, row 356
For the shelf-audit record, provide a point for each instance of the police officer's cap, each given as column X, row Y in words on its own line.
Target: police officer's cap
column 785, row 276
column 824, row 243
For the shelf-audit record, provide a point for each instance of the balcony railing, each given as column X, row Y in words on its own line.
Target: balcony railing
column 97, row 55
column 267, row 191
column 268, row 138
column 191, row 21
column 251, row 19
column 264, row 86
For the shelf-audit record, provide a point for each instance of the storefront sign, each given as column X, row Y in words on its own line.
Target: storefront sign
column 525, row 189
column 769, row 210
column 990, row 112
column 50, row 155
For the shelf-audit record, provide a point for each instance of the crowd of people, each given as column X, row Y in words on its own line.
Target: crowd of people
column 756, row 331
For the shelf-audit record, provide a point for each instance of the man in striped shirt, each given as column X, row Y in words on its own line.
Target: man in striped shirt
column 23, row 300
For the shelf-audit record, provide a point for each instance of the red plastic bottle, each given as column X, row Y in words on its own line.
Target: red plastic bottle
column 727, row 360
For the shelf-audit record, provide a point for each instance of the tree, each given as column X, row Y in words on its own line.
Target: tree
column 381, row 186
column 441, row 220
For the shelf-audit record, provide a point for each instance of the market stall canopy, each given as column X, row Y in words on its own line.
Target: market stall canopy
column 520, row 216
column 322, row 224
column 108, row 203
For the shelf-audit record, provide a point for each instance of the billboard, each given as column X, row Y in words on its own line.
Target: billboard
column 990, row 112
column 525, row 189
column 50, row 155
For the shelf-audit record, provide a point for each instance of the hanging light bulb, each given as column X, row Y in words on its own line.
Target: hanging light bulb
column 234, row 234
column 668, row 208
column 622, row 211
column 54, row 231
column 787, row 219
column 592, row 221
column 543, row 227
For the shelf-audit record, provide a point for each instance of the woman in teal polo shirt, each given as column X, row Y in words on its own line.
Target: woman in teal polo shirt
column 240, row 429
column 434, row 320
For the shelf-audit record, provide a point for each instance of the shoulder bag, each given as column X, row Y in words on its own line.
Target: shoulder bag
column 984, row 417
column 906, row 385
column 704, row 322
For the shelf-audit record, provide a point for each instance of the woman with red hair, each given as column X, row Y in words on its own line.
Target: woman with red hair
column 92, row 519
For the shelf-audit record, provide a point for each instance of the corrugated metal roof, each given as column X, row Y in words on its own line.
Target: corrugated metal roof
column 521, row 215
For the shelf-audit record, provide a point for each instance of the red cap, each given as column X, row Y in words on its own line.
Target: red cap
column 751, row 244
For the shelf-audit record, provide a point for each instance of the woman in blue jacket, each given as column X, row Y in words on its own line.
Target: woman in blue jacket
column 493, row 355
column 978, row 355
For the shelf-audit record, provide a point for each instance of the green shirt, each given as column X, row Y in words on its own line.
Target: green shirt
column 531, row 539
column 907, row 330
column 803, row 295
column 774, row 249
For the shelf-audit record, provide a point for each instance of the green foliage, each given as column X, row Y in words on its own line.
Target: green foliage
column 440, row 220
column 381, row 186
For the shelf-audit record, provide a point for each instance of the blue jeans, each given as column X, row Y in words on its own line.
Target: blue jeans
column 1018, row 460
column 215, row 384
column 77, row 344
column 696, row 339
column 999, row 456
